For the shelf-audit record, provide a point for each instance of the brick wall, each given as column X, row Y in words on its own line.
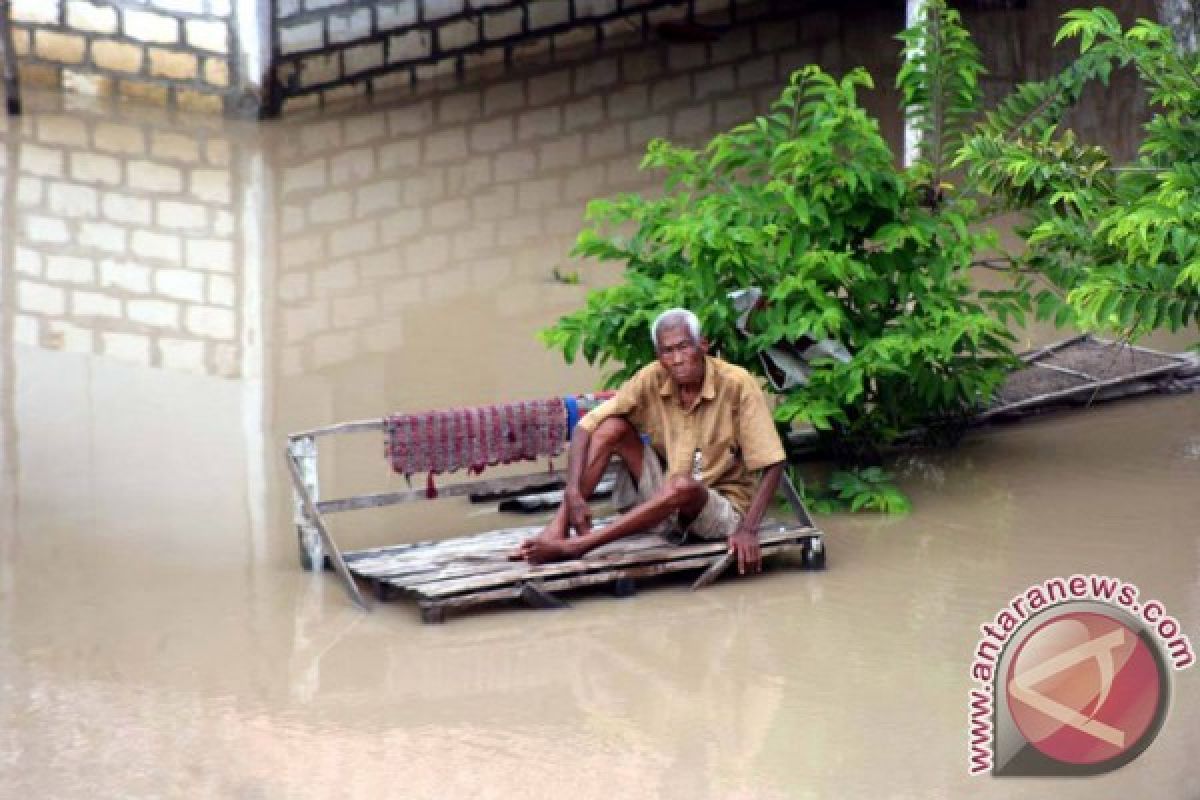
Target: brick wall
column 169, row 52
column 126, row 240
column 332, row 49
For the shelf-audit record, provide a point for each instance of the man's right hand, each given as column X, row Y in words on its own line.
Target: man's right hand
column 579, row 514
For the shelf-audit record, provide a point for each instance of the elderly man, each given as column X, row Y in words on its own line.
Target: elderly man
column 707, row 419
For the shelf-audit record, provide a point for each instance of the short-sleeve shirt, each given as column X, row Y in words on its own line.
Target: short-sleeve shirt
column 729, row 424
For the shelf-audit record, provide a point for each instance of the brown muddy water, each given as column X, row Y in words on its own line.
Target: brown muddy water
column 180, row 293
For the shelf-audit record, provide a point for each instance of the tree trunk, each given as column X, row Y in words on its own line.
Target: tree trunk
column 1183, row 18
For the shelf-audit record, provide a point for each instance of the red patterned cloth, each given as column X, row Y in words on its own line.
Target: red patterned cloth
column 475, row 438
column 436, row 442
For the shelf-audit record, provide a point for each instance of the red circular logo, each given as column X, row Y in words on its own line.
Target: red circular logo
column 1084, row 688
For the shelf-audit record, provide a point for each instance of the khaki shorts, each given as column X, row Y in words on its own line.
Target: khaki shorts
column 717, row 520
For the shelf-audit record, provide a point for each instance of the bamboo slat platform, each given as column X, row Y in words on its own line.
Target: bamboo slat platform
column 475, row 570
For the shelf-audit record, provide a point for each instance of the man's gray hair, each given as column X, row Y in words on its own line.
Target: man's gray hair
column 673, row 317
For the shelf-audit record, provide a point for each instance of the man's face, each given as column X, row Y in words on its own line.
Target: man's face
column 681, row 355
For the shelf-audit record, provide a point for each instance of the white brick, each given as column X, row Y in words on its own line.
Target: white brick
column 330, row 207
column 405, row 153
column 292, row 286
column 40, row 298
column 74, row 338
column 51, row 230
column 41, row 161
column 310, row 175
column 94, row 304
column 43, row 12
column 59, row 129
column 339, row 275
column 353, row 165
column 302, row 322
column 29, row 191
column 182, row 284
column 373, row 197
column 436, row 9
column 539, row 123
column 157, row 313
column 211, row 185
column 28, row 262
column 457, row 34
column 181, row 216
column 145, row 26
column 546, row 13
column 161, row 246
column 84, row 16
column 333, row 348
column 352, row 239
column 126, row 208
column 72, row 200
column 125, row 139
column 207, row 35
column 396, row 15
column 125, row 275
column 223, row 223
column 70, row 269
column 185, row 6
column 220, row 8
column 182, row 354
column 28, row 330
column 297, row 38
column 502, row 24
column 151, row 177
column 215, row 323
column 446, row 145
column 221, row 290
column 95, row 168
column 492, row 136
column 350, row 27
column 175, row 146
column 127, row 347
column 214, row 254
column 363, row 58
column 449, row 214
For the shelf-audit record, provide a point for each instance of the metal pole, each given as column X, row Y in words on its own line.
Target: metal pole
column 12, row 89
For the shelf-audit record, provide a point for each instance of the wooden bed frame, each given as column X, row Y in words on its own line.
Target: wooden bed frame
column 439, row 573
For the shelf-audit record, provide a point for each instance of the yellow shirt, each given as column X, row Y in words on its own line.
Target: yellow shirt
column 729, row 424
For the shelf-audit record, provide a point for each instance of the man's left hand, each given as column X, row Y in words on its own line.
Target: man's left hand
column 744, row 542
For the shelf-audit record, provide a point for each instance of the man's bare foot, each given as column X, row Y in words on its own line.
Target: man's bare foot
column 542, row 551
column 555, row 531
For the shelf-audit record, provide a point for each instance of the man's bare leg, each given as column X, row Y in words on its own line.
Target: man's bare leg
column 612, row 436
column 680, row 494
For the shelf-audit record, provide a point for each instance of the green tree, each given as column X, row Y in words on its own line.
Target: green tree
column 807, row 203
column 1120, row 245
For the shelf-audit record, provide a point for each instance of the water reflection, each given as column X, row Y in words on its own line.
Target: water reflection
column 180, row 293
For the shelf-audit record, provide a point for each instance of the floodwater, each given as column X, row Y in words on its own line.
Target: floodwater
column 179, row 293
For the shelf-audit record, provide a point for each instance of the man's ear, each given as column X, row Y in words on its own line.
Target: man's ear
column 704, row 345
